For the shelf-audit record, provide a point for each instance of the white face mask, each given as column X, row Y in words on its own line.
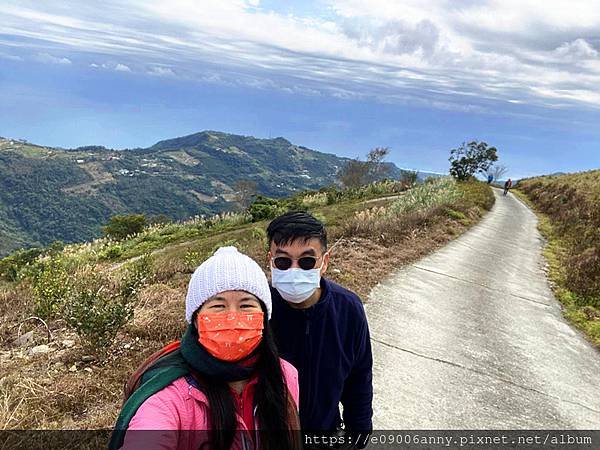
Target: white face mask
column 296, row 285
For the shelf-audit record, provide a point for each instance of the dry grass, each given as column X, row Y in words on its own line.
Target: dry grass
column 570, row 220
column 68, row 388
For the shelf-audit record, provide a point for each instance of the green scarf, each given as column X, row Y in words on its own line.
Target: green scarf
column 177, row 364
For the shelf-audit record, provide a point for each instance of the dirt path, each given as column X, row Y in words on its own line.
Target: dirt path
column 471, row 337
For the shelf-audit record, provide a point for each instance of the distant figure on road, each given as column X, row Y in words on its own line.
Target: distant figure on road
column 507, row 186
column 490, row 179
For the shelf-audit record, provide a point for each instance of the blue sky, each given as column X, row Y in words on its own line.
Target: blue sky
column 340, row 76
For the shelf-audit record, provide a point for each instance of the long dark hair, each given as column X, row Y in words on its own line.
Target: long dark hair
column 277, row 415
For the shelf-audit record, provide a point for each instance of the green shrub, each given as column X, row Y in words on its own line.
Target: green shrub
column 50, row 286
column 121, row 226
column 12, row 264
column 192, row 259
column 95, row 308
column 259, row 234
column 456, row 215
column 265, row 208
column 333, row 194
column 138, row 274
column 55, row 248
column 111, row 252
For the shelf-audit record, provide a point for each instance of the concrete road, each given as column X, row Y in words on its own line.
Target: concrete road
column 471, row 337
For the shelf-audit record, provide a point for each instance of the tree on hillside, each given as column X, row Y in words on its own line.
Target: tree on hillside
column 375, row 163
column 469, row 159
column 244, row 191
column 357, row 173
column 408, row 177
column 497, row 172
column 121, row 226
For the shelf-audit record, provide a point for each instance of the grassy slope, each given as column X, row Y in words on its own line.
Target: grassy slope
column 59, row 390
column 567, row 206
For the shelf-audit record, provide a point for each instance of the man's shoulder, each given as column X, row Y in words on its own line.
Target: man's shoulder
column 344, row 296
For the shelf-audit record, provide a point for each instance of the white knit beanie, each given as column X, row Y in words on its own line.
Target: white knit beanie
column 226, row 270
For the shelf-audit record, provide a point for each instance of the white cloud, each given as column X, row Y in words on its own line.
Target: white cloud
column 10, row 57
column 47, row 58
column 433, row 51
column 576, row 50
column 161, row 71
column 118, row 67
column 122, row 68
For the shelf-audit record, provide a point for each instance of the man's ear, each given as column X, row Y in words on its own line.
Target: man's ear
column 326, row 257
column 268, row 259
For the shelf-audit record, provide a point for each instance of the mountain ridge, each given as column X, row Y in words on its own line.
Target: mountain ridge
column 52, row 193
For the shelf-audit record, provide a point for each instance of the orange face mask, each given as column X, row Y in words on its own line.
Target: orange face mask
column 230, row 336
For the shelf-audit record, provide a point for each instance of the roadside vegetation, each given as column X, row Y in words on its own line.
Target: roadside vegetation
column 570, row 220
column 77, row 319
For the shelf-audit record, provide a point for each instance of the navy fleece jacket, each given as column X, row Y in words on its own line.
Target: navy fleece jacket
column 330, row 346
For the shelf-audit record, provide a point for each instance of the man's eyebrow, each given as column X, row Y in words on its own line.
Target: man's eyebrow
column 310, row 251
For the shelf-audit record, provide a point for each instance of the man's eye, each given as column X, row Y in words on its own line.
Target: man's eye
column 248, row 305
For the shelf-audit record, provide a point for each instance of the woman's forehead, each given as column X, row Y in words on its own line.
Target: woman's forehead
column 233, row 295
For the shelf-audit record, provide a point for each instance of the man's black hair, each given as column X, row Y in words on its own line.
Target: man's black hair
column 296, row 225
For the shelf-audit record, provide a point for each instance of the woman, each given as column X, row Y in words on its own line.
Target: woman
column 236, row 383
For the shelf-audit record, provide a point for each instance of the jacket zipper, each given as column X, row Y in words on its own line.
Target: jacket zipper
column 308, row 352
column 307, row 316
column 245, row 439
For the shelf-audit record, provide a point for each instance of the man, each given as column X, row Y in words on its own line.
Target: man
column 321, row 328
column 507, row 186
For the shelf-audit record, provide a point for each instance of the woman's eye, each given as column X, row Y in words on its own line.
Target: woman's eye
column 216, row 306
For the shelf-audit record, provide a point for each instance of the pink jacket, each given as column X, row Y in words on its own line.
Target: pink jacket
column 180, row 407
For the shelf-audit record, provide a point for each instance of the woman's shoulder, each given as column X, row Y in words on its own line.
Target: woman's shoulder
column 288, row 368
column 169, row 407
column 290, row 375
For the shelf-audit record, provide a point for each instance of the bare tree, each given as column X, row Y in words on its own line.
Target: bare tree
column 497, row 172
column 245, row 190
column 375, row 163
column 358, row 173
column 354, row 173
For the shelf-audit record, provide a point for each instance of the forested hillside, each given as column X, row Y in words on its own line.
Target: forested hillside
column 49, row 194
